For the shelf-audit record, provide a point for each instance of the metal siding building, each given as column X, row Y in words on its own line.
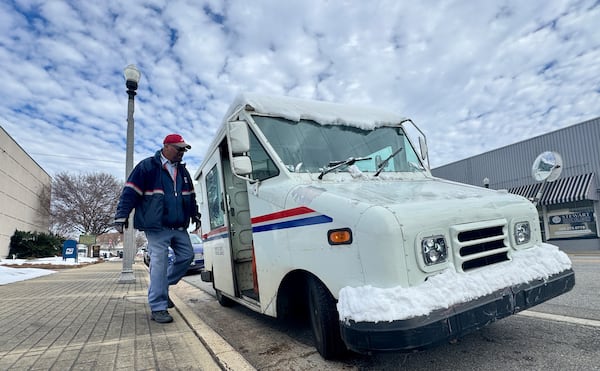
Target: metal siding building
column 573, row 196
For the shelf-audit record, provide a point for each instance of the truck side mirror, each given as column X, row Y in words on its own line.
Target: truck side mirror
column 239, row 145
column 241, row 165
column 413, row 133
column 423, row 148
column 238, row 135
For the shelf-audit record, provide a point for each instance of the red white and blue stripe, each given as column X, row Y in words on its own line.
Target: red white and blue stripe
column 290, row 218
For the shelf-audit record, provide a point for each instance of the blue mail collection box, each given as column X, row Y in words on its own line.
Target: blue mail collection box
column 69, row 249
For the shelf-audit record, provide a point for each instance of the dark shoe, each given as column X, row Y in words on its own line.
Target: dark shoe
column 170, row 304
column 162, row 316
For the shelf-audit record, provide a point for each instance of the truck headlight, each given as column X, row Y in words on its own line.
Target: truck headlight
column 434, row 250
column 522, row 232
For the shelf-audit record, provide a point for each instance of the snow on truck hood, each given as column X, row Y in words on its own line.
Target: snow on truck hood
column 409, row 194
column 372, row 304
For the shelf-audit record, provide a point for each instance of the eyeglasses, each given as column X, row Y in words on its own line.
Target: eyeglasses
column 179, row 149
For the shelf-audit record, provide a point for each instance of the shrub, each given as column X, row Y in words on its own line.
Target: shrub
column 35, row 245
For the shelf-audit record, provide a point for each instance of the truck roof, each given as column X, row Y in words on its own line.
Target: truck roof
column 296, row 109
column 325, row 113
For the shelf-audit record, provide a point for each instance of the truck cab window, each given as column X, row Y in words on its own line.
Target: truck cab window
column 263, row 167
column 307, row 146
column 214, row 198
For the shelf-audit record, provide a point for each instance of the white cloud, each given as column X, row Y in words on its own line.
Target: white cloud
column 474, row 75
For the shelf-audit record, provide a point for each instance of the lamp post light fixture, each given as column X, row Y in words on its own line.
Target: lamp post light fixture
column 132, row 77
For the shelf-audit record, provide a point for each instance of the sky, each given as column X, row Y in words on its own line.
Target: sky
column 474, row 75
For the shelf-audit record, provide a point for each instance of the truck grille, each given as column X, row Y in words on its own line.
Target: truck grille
column 480, row 244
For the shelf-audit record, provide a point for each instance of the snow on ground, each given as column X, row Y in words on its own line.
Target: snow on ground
column 372, row 304
column 10, row 274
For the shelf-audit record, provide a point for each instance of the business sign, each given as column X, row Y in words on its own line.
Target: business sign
column 87, row 239
column 572, row 223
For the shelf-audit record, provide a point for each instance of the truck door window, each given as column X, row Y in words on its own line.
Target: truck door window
column 263, row 167
column 214, row 198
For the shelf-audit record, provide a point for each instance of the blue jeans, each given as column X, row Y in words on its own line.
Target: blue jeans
column 161, row 274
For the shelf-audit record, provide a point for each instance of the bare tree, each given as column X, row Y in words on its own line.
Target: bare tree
column 84, row 203
column 44, row 212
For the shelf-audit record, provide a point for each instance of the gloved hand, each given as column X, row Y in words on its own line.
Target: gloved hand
column 121, row 224
column 197, row 221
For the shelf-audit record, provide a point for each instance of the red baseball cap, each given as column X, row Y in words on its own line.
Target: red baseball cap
column 176, row 140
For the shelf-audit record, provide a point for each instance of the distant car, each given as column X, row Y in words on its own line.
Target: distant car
column 197, row 263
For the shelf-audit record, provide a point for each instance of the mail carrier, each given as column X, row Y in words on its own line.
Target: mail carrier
column 330, row 211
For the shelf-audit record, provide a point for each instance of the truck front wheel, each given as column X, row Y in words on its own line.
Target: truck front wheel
column 324, row 319
column 223, row 300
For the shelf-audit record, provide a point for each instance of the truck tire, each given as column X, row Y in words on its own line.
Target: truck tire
column 222, row 299
column 324, row 320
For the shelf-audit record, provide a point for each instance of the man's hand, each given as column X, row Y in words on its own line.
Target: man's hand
column 121, row 224
column 197, row 221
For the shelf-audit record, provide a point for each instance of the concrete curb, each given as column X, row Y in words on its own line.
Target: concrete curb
column 221, row 350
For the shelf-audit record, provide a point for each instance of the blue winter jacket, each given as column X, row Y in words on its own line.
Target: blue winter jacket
column 158, row 202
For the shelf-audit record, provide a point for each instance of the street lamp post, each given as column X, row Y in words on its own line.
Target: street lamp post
column 132, row 77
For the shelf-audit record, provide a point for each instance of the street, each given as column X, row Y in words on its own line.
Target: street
column 561, row 334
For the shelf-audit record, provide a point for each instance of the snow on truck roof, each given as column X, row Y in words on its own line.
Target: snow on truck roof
column 325, row 113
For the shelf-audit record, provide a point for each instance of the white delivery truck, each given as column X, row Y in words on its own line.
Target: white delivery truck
column 330, row 211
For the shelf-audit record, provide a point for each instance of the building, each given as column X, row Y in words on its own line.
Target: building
column 24, row 193
column 570, row 206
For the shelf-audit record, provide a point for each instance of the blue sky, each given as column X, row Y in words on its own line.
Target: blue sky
column 474, row 75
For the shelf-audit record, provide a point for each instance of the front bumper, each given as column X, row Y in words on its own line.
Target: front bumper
column 451, row 323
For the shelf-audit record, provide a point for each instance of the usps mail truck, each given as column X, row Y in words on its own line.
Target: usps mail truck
column 330, row 211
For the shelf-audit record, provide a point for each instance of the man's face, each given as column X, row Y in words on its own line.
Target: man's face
column 174, row 153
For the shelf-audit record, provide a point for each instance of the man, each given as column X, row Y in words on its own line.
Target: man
column 160, row 190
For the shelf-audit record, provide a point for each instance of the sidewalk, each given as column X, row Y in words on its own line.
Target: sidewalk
column 82, row 318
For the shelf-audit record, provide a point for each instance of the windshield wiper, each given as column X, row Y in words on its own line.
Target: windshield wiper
column 384, row 162
column 333, row 165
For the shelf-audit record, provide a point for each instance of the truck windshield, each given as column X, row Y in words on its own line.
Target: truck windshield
column 306, row 146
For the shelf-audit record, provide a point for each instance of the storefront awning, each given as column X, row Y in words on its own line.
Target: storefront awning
column 574, row 188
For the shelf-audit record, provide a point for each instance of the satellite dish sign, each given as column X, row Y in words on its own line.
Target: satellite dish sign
column 547, row 167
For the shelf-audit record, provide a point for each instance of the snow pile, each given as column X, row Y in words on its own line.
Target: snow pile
column 372, row 304
column 10, row 275
column 325, row 113
column 56, row 260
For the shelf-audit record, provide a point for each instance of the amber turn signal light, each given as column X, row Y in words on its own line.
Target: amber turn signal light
column 339, row 236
